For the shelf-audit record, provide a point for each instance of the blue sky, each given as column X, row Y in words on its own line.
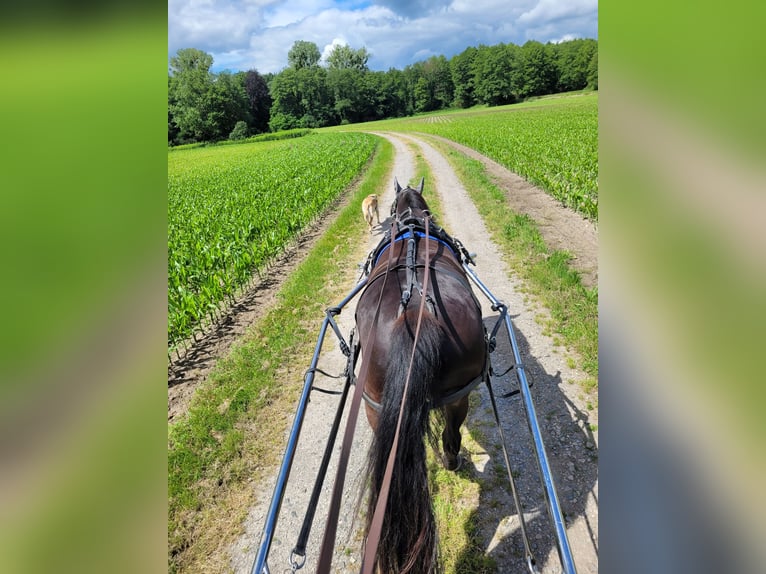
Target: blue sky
column 257, row 34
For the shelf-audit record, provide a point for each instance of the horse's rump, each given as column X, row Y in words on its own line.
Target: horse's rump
column 415, row 277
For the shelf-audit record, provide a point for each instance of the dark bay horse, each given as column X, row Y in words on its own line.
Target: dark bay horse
column 450, row 358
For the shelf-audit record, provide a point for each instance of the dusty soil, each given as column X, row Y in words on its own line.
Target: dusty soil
column 566, row 415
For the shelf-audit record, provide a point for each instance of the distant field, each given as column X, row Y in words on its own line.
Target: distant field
column 232, row 208
column 551, row 142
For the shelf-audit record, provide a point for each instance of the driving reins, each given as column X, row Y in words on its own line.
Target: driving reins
column 328, row 541
column 373, row 538
column 376, row 525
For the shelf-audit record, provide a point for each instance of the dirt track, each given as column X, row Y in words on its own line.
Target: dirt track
column 562, row 410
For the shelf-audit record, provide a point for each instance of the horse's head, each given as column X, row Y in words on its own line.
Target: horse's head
column 409, row 202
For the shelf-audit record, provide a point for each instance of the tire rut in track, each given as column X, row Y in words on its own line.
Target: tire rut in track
column 562, row 411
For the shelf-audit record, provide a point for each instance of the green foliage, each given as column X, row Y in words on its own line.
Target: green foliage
column 593, row 71
column 282, row 135
column 239, row 132
column 189, row 94
column 434, row 89
column 230, row 103
column 537, row 72
column 462, row 77
column 302, row 98
column 267, row 137
column 344, row 57
column 493, row 74
column 280, row 122
column 230, row 209
column 554, row 146
column 303, row 54
column 573, row 60
column 203, row 106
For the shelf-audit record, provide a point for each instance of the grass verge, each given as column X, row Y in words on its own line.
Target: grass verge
column 218, row 452
column 455, row 498
column 546, row 273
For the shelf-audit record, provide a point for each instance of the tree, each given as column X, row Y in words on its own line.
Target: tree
column 301, row 99
column 259, row 101
column 437, row 67
column 494, row 74
column 593, row 71
column 538, row 73
column 316, row 99
column 572, row 61
column 433, row 88
column 303, row 54
column 239, row 132
column 173, row 131
column 343, row 57
column 346, row 86
column 462, row 78
column 229, row 103
column 424, row 96
column 190, row 90
column 285, row 109
column 395, row 96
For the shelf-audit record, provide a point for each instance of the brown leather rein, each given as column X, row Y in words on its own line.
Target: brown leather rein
column 376, row 525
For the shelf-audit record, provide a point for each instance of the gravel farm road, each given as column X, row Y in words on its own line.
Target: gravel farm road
column 568, row 418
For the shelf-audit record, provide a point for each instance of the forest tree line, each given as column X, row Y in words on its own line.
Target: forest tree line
column 309, row 93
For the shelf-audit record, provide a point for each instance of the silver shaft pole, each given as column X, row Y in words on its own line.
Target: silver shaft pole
column 259, row 566
column 554, row 508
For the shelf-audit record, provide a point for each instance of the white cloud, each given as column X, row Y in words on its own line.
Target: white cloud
column 213, row 25
column 564, row 38
column 244, row 34
column 548, row 11
column 327, row 50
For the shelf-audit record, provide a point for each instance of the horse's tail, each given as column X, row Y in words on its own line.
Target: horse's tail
column 408, row 537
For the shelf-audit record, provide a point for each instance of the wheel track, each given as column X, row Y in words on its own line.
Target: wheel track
column 564, row 417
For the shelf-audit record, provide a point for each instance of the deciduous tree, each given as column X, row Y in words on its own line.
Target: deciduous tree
column 259, row 101
column 537, row 70
column 344, row 57
column 303, row 54
column 190, row 94
column 462, row 78
column 494, row 74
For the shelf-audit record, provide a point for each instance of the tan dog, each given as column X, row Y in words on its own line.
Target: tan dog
column 370, row 207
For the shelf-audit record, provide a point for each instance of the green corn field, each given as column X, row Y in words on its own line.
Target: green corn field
column 552, row 143
column 233, row 208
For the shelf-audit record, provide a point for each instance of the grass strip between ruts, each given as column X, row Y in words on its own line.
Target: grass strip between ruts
column 546, row 273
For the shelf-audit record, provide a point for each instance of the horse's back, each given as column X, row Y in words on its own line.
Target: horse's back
column 452, row 311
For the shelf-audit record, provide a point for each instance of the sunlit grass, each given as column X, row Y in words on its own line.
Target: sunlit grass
column 215, row 450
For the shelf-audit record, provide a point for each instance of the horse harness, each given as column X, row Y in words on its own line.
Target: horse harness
column 414, row 228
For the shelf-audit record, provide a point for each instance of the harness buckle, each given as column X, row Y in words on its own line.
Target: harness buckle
column 294, row 564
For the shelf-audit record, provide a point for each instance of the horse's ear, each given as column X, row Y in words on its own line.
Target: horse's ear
column 420, row 189
column 397, row 187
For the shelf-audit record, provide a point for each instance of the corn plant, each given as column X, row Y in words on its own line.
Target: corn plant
column 231, row 209
column 554, row 146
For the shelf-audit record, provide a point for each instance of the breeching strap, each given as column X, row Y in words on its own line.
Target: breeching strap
column 376, row 526
column 328, row 541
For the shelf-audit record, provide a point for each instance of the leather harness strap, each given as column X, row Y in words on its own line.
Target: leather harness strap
column 328, row 541
column 376, row 526
column 451, row 398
